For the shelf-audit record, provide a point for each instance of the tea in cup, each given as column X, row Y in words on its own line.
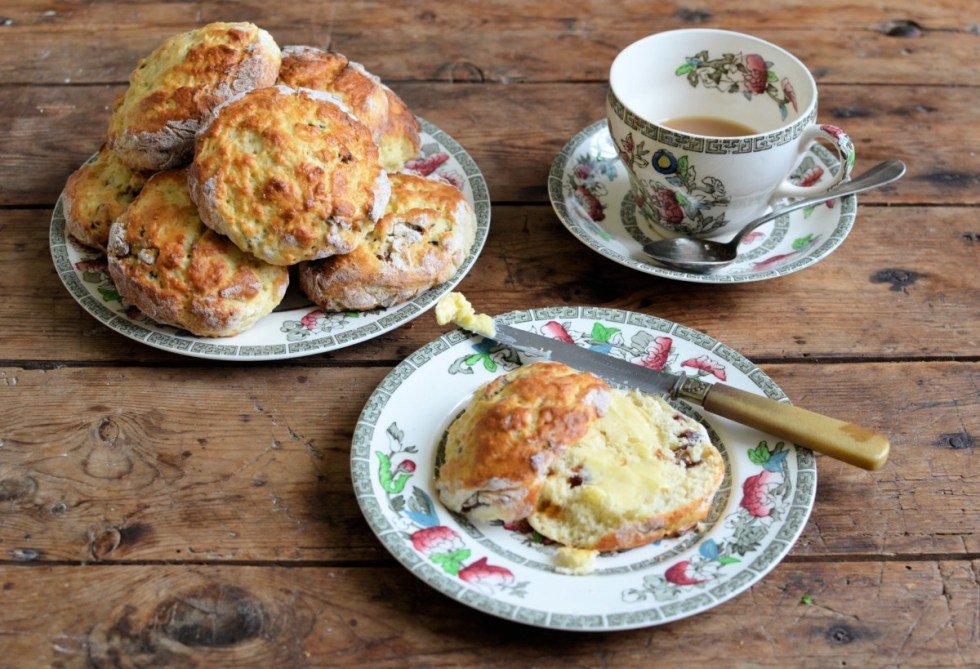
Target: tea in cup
column 710, row 125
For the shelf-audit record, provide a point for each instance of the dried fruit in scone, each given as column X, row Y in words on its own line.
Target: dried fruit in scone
column 178, row 271
column 587, row 466
column 288, row 175
column 96, row 194
column 173, row 91
column 393, row 126
column 332, row 72
column 423, row 238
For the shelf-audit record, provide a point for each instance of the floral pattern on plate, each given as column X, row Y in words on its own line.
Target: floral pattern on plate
column 762, row 507
column 589, row 190
column 296, row 328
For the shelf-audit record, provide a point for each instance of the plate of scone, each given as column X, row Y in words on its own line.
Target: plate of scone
column 253, row 202
column 537, row 493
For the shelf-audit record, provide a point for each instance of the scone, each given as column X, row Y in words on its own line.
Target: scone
column 500, row 450
column 167, row 263
column 426, row 233
column 288, row 175
column 174, row 89
column 96, row 194
column 393, row 126
column 587, row 466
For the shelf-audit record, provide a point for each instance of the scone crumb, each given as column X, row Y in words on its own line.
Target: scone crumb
column 575, row 561
column 455, row 308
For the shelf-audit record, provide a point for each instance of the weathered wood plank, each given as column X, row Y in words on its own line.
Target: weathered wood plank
column 867, row 614
column 187, row 464
column 891, row 275
column 905, row 42
column 514, row 134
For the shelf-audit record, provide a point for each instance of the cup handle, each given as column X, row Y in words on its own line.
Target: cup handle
column 845, row 150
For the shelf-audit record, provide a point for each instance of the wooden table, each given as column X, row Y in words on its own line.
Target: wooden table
column 159, row 510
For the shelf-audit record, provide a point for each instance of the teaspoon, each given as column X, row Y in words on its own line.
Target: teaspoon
column 703, row 255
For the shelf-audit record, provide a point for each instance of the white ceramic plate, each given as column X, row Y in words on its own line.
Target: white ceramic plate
column 297, row 327
column 589, row 190
column 762, row 507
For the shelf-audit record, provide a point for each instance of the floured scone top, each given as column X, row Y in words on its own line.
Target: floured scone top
column 501, row 448
column 174, row 89
column 425, row 235
column 288, row 175
column 592, row 468
column 167, row 263
column 96, row 194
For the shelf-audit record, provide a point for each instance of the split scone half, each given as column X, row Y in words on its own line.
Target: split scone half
column 288, row 175
column 426, row 233
column 590, row 467
column 173, row 91
column 178, row 271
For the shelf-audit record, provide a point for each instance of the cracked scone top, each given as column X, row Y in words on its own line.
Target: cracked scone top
column 172, row 91
column 288, row 175
column 166, row 262
column 588, row 466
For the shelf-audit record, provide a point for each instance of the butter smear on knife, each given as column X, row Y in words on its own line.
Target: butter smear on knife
column 455, row 308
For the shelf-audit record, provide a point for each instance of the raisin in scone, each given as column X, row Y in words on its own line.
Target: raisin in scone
column 177, row 271
column 96, row 194
column 173, row 91
column 426, row 233
column 288, row 175
column 587, row 466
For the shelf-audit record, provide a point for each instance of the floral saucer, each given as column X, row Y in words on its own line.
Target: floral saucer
column 297, row 327
column 763, row 504
column 589, row 190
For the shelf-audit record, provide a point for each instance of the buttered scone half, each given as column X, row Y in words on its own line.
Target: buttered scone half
column 588, row 466
column 393, row 126
column 177, row 271
column 426, row 233
column 288, row 175
column 96, row 194
column 173, row 91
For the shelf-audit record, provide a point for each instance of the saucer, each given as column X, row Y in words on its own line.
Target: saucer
column 590, row 192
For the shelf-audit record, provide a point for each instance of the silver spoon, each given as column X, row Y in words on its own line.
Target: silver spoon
column 703, row 255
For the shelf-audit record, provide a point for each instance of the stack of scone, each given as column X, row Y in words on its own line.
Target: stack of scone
column 228, row 161
column 593, row 468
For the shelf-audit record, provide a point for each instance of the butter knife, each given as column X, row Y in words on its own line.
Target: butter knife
column 843, row 441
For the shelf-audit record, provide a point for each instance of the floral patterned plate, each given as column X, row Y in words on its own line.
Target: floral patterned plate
column 296, row 328
column 760, row 510
column 589, row 190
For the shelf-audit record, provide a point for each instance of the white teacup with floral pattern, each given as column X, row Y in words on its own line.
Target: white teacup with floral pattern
column 695, row 185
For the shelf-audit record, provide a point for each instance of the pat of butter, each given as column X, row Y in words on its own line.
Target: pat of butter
column 574, row 561
column 456, row 309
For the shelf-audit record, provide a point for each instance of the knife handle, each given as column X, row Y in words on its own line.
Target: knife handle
column 850, row 443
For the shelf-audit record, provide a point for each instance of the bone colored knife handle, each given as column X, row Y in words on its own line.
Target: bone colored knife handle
column 850, row 443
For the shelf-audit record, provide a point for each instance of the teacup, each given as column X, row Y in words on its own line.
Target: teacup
column 713, row 126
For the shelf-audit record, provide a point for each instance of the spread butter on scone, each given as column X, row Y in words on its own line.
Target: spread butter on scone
column 593, row 468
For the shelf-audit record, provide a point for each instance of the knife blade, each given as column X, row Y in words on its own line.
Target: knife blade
column 835, row 438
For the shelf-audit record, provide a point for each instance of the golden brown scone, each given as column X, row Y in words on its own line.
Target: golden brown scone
column 425, row 235
column 174, row 89
column 501, row 448
column 589, row 467
column 332, row 72
column 401, row 138
column 96, row 194
column 288, row 175
column 166, row 262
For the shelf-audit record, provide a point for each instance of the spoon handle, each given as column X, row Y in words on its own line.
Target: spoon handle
column 879, row 175
column 843, row 441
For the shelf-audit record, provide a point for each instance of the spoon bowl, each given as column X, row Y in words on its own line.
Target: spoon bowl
column 705, row 255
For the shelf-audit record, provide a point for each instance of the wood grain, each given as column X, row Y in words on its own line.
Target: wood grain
column 909, row 614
